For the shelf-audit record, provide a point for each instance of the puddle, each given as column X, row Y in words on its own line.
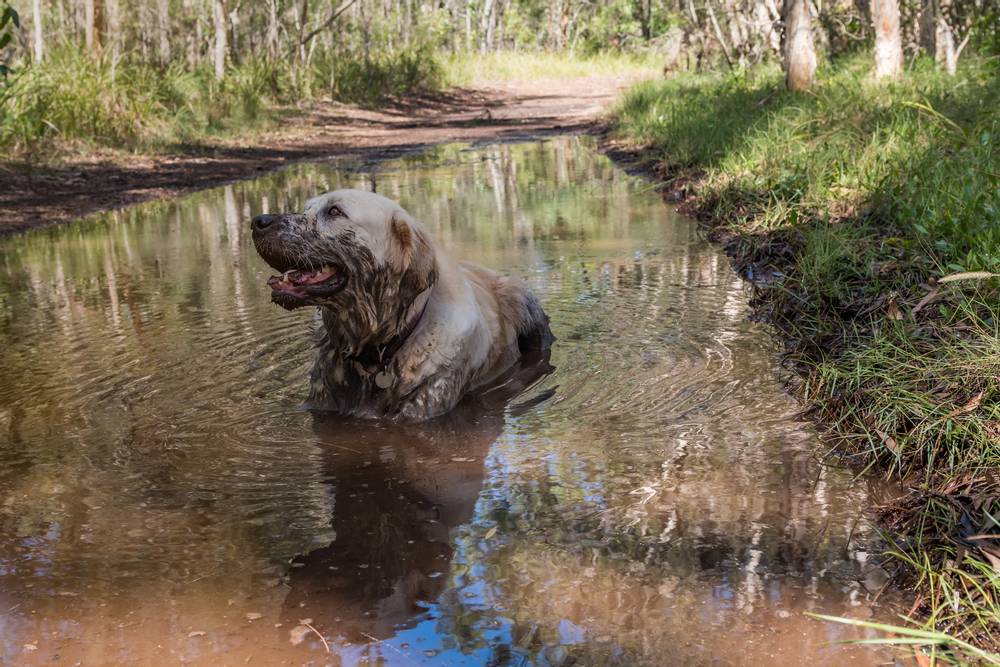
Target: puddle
column 164, row 498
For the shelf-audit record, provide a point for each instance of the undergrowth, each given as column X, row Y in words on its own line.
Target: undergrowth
column 73, row 97
column 854, row 207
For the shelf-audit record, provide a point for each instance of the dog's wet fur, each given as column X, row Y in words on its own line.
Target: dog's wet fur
column 403, row 330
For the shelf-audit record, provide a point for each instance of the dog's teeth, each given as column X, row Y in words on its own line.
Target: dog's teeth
column 284, row 276
column 326, row 269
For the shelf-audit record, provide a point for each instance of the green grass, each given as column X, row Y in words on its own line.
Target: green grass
column 466, row 68
column 857, row 198
column 71, row 98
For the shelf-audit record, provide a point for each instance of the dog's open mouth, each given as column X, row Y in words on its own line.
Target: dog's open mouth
column 300, row 287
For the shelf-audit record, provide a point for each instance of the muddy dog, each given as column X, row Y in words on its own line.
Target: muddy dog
column 403, row 330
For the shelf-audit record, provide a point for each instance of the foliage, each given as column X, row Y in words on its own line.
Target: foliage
column 856, row 203
column 71, row 96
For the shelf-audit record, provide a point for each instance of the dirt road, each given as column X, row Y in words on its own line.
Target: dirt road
column 490, row 112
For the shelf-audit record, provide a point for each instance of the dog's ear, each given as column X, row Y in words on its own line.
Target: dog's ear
column 411, row 253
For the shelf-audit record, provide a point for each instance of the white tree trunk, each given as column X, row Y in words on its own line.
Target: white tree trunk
column 89, row 17
column 272, row 29
column 114, row 29
column 486, row 37
column 219, row 51
column 888, row 40
column 36, row 20
column 163, row 30
column 799, row 51
column 945, row 53
column 937, row 36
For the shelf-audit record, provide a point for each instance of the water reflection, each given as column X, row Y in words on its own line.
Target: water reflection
column 163, row 498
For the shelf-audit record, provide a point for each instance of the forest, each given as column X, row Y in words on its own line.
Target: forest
column 843, row 153
column 146, row 71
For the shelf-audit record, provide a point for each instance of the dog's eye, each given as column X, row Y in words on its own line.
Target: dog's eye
column 335, row 212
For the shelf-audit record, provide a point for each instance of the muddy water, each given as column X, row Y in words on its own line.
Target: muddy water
column 164, row 499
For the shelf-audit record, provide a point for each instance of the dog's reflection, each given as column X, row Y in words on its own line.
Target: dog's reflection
column 399, row 493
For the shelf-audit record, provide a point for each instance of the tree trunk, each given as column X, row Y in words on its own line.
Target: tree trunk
column 799, row 52
column 36, row 20
column 937, row 36
column 272, row 29
column 718, row 33
column 486, row 37
column 163, row 30
column 113, row 30
column 219, row 53
column 92, row 11
column 888, row 41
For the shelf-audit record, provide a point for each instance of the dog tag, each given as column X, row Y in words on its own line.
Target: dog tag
column 384, row 380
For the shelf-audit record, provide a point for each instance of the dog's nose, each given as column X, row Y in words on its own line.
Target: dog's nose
column 262, row 222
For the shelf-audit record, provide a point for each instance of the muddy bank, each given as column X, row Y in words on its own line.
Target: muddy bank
column 38, row 195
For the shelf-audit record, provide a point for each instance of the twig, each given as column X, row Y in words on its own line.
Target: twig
column 318, row 634
column 718, row 33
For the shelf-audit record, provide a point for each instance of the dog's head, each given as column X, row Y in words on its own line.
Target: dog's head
column 355, row 252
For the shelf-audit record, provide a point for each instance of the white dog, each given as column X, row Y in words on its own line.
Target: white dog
column 404, row 330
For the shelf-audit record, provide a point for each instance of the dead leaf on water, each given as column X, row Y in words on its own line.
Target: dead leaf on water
column 253, row 616
column 30, row 647
column 196, row 633
column 490, row 533
column 461, row 459
column 298, row 634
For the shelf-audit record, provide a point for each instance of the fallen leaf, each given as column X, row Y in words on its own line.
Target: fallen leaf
column 968, row 407
column 253, row 616
column 993, row 556
column 892, row 311
column 968, row 275
column 461, row 459
column 196, row 633
column 930, row 296
column 490, row 533
column 30, row 647
column 888, row 441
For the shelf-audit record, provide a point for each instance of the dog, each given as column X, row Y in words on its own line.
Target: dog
column 403, row 331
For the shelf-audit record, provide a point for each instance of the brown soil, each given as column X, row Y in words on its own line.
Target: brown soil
column 36, row 195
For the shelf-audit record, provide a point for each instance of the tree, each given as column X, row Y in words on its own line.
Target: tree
column 219, row 50
column 799, row 52
column 888, row 40
column 38, row 40
column 163, row 30
column 9, row 21
column 937, row 35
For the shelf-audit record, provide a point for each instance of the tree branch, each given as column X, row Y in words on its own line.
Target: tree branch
column 326, row 24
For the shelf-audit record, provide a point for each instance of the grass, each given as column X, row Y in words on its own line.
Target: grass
column 71, row 99
column 72, row 103
column 467, row 68
column 852, row 205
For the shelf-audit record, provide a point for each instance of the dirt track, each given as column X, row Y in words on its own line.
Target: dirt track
column 502, row 112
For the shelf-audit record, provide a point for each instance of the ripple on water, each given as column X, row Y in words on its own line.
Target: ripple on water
column 161, row 488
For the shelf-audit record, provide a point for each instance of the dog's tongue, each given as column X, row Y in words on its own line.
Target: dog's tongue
column 291, row 281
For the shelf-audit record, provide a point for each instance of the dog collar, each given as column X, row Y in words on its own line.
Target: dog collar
column 377, row 359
